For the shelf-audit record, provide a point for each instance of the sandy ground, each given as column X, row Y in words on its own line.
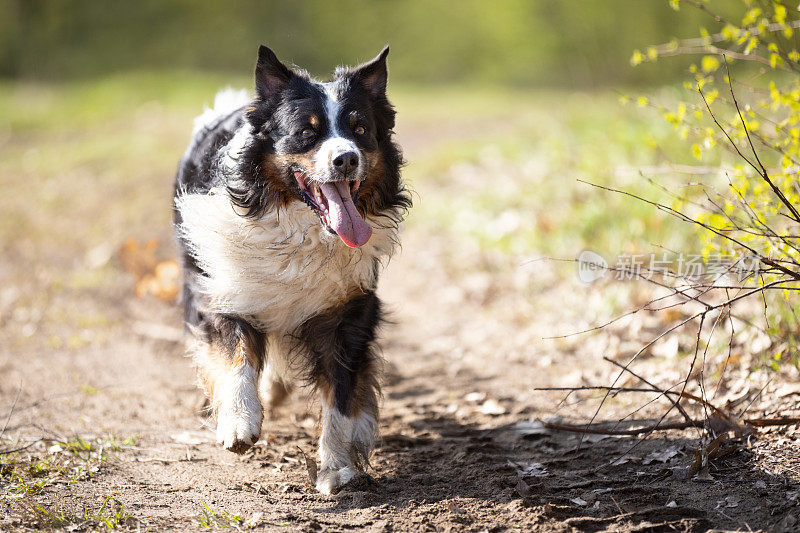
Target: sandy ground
column 465, row 352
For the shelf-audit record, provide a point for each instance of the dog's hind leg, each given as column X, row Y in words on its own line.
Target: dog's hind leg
column 229, row 354
column 273, row 389
column 345, row 370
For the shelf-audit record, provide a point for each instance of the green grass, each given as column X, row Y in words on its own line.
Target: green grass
column 25, row 474
column 110, row 515
column 511, row 183
column 68, row 461
column 217, row 519
column 31, row 475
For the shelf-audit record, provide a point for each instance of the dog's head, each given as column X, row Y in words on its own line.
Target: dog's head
column 326, row 144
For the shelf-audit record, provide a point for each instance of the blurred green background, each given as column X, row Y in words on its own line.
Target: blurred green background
column 579, row 43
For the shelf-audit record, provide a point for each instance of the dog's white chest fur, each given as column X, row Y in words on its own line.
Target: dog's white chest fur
column 278, row 269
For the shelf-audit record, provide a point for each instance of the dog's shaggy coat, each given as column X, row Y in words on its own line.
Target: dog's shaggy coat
column 286, row 207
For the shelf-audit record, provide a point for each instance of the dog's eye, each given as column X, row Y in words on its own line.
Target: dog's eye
column 307, row 133
column 360, row 130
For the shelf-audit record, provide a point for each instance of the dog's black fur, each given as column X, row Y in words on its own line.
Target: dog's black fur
column 340, row 342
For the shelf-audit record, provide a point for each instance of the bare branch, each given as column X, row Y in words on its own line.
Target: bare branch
column 662, row 392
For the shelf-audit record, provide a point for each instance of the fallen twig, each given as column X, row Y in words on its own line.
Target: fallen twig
column 11, row 410
column 596, row 428
column 771, row 422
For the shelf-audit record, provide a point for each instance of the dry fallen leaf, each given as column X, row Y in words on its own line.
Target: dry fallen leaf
column 311, row 466
column 624, row 460
column 455, row 509
column 722, row 424
column 661, row 456
column 158, row 278
column 531, row 427
column 163, row 283
column 138, row 259
column 704, row 475
column 522, row 489
column 529, row 469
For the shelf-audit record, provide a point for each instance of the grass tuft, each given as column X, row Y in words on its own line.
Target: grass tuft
column 217, row 519
column 110, row 515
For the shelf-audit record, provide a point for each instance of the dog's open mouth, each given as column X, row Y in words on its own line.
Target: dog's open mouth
column 333, row 204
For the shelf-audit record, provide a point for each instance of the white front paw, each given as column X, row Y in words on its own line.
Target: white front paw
column 237, row 432
column 330, row 480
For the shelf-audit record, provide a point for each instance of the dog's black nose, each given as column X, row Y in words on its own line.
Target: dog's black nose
column 345, row 162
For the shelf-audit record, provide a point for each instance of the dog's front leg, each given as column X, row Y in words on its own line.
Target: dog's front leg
column 229, row 355
column 345, row 445
column 346, row 367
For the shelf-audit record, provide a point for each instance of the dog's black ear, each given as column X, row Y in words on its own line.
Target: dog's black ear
column 272, row 76
column 373, row 74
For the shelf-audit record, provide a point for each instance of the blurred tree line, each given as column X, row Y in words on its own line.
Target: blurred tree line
column 576, row 43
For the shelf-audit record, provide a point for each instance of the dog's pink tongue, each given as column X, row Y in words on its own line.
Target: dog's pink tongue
column 343, row 215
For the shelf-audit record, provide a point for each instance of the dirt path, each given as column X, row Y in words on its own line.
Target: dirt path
column 465, row 353
column 450, row 458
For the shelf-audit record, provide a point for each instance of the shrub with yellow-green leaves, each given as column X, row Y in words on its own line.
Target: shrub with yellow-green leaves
column 741, row 116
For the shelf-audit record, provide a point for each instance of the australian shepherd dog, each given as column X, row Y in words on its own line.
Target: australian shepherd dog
column 287, row 205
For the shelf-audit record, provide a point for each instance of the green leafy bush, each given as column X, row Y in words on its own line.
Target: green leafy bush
column 742, row 118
